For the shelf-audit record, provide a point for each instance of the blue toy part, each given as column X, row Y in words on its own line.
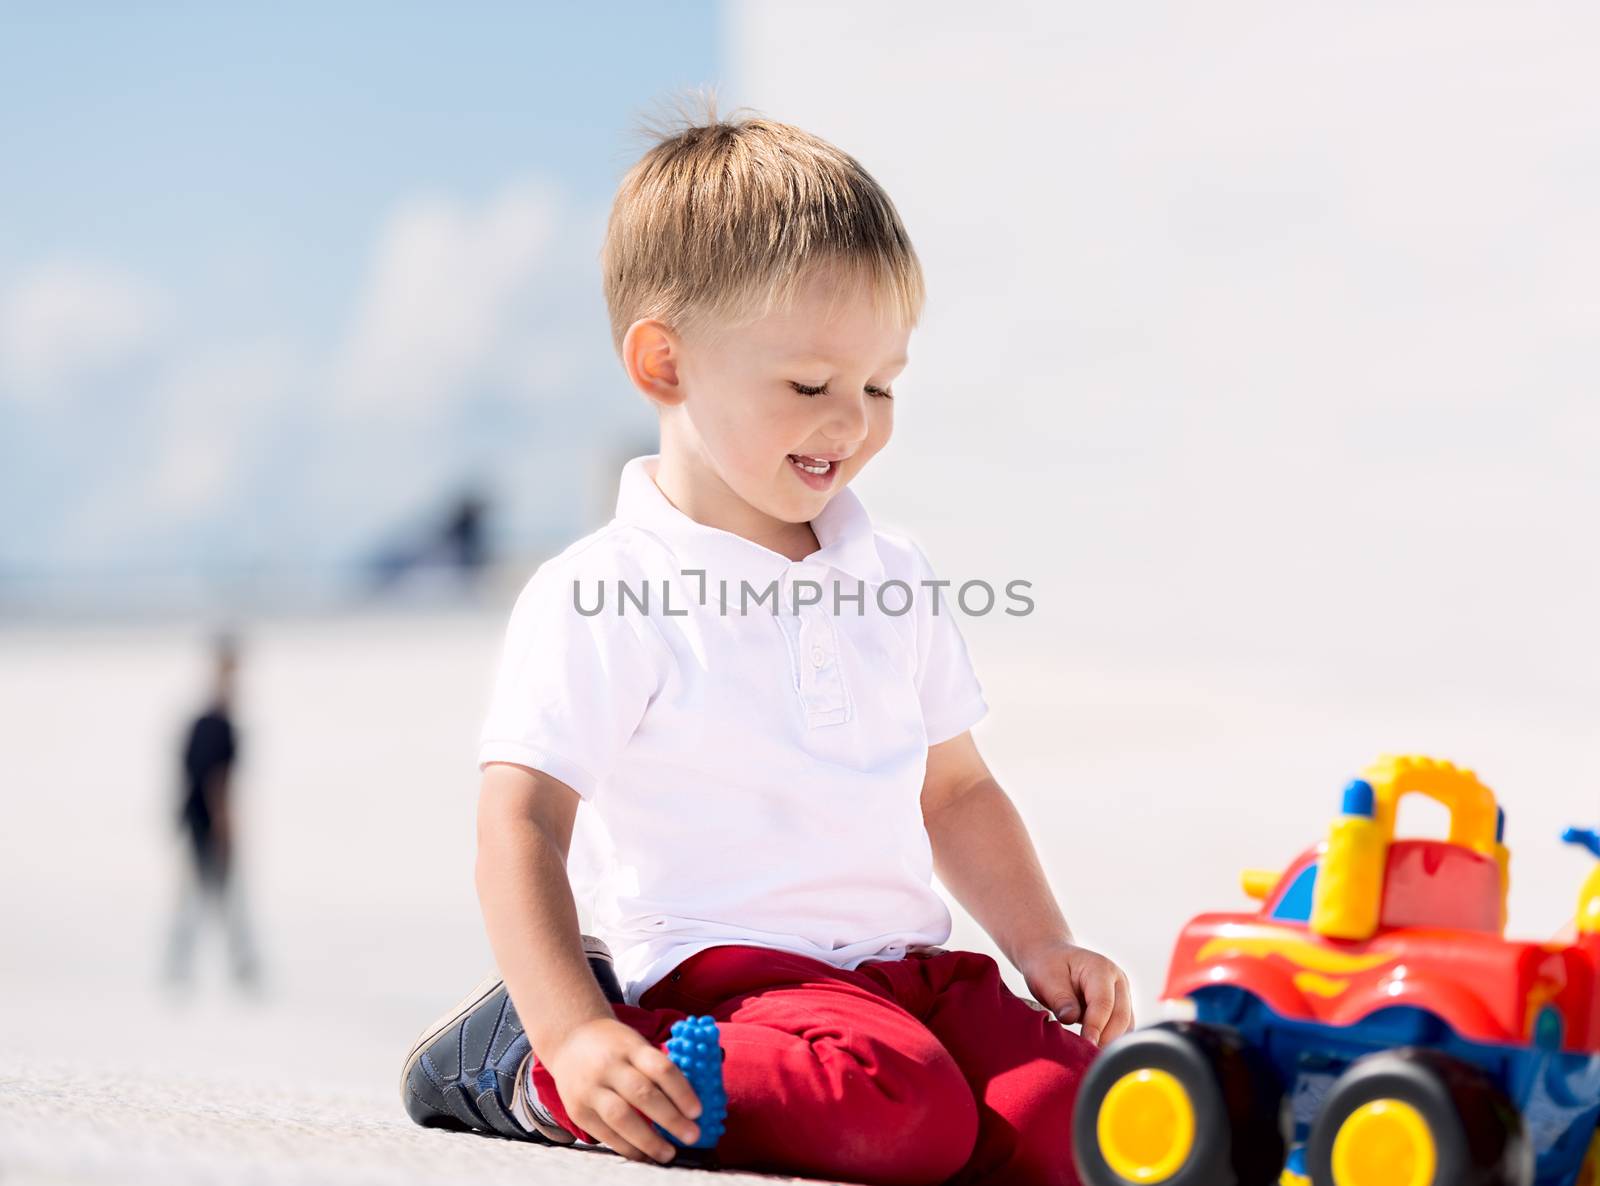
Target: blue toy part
column 1294, row 1169
column 1557, row 1093
column 696, row 1051
column 1295, row 905
column 1359, row 798
column 1584, row 838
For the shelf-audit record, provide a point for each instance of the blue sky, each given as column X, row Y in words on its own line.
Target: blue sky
column 206, row 217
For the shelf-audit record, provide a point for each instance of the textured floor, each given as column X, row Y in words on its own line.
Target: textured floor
column 75, row 1126
column 144, row 1086
column 63, row 1124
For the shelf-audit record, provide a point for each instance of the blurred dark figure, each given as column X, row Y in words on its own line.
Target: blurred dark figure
column 457, row 544
column 208, row 821
column 463, row 534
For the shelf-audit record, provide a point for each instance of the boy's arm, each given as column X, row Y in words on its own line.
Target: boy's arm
column 984, row 856
column 611, row 1081
column 525, row 823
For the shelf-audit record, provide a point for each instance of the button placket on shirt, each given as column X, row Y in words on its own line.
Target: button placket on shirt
column 822, row 690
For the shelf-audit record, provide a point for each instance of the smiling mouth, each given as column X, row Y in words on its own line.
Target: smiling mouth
column 812, row 465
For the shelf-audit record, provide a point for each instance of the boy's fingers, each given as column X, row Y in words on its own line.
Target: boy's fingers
column 1121, row 1013
column 601, row 1131
column 666, row 1075
column 1101, row 996
column 649, row 1099
column 634, row 1130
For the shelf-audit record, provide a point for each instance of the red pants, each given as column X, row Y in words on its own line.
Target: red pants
column 914, row 1071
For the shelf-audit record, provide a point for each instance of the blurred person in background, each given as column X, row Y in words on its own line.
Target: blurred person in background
column 209, row 822
column 456, row 545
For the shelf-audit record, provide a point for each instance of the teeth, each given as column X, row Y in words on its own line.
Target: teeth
column 811, row 467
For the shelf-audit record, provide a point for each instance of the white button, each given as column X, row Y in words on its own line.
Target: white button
column 819, row 657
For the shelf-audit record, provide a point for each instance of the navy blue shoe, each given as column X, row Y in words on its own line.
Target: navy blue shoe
column 466, row 1071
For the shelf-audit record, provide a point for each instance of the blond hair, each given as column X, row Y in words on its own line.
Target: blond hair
column 722, row 220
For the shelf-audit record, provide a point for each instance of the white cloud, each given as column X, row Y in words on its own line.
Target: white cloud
column 66, row 321
column 269, row 441
column 214, row 405
column 440, row 296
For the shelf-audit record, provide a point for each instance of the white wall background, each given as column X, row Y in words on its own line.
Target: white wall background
column 1263, row 338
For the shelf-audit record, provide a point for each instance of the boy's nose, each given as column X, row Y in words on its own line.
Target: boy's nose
column 847, row 419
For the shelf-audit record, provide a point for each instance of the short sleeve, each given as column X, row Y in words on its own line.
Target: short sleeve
column 570, row 687
column 952, row 698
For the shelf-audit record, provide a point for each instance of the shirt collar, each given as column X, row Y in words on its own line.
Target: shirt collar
column 843, row 529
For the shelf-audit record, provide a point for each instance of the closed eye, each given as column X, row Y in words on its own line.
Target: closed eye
column 806, row 389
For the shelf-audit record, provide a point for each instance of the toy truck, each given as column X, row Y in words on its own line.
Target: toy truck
column 1369, row 1024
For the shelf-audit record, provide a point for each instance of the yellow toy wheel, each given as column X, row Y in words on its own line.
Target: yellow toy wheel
column 1402, row 1118
column 1180, row 1104
column 1385, row 1142
column 1146, row 1126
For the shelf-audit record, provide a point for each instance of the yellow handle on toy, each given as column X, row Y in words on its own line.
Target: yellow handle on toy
column 1474, row 816
column 1348, row 899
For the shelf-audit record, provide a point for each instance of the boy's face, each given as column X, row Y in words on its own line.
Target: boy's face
column 788, row 409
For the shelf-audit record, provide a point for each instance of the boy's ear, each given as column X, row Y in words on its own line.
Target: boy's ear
column 650, row 353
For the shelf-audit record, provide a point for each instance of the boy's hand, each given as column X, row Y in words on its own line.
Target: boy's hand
column 604, row 1071
column 1077, row 984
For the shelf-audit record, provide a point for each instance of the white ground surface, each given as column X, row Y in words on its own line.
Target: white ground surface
column 1146, row 789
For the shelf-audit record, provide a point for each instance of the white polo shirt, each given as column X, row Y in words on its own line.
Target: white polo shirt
column 747, row 777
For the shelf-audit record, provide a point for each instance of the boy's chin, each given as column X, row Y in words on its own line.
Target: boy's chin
column 801, row 506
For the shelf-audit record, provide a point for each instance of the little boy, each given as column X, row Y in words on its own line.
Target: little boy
column 765, row 707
